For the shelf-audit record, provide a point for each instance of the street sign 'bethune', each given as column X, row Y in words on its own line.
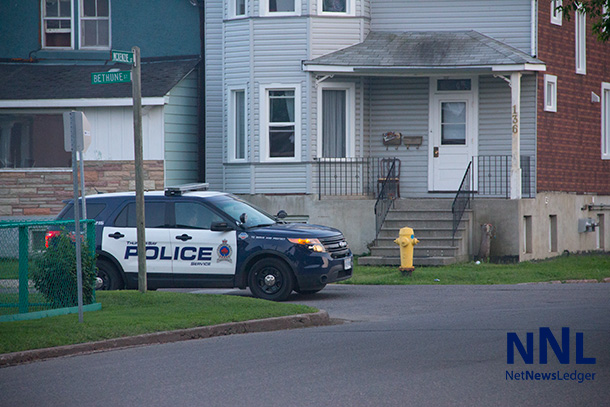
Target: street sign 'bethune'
column 110, row 77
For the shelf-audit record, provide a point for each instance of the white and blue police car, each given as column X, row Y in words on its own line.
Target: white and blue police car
column 204, row 239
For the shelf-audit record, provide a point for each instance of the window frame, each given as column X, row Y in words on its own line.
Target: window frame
column 265, row 155
column 580, row 28
column 605, row 119
column 82, row 18
column 44, row 18
column 556, row 15
column 350, row 7
column 350, row 117
column 552, row 106
column 233, row 8
column 232, row 139
column 264, row 10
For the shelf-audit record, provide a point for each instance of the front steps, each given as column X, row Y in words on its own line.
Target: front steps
column 432, row 223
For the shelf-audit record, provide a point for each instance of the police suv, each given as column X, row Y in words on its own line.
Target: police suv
column 199, row 238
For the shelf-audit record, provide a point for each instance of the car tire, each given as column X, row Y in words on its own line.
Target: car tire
column 309, row 292
column 271, row 279
column 110, row 276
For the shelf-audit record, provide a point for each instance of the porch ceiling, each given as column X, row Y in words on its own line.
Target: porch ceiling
column 425, row 53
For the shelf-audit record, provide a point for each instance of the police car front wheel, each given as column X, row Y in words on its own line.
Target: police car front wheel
column 271, row 279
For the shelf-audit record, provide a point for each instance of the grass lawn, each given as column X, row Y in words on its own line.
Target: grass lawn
column 128, row 313
column 594, row 266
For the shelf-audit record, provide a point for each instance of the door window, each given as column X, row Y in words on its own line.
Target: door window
column 191, row 215
column 453, row 123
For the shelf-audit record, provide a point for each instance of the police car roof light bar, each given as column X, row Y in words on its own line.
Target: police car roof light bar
column 179, row 190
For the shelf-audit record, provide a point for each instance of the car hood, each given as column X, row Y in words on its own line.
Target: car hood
column 295, row 230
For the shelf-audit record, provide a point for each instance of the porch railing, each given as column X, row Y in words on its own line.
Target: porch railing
column 386, row 197
column 492, row 174
column 351, row 176
column 462, row 199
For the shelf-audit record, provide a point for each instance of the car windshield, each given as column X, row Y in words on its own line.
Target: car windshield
column 235, row 207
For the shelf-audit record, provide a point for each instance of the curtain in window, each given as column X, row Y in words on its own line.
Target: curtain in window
column 240, row 124
column 333, row 123
column 453, row 123
column 281, row 5
column 335, row 6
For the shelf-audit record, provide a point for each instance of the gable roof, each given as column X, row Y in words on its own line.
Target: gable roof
column 424, row 51
column 31, row 81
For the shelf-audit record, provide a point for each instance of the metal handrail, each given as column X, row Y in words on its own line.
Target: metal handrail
column 461, row 200
column 384, row 201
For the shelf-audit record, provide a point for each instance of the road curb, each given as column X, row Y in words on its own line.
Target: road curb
column 319, row 318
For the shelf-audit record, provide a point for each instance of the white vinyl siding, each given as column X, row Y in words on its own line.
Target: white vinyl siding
column 550, row 93
column 508, row 22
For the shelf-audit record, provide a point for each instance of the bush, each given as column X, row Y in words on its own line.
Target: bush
column 54, row 273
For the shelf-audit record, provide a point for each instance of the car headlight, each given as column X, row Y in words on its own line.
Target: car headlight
column 312, row 244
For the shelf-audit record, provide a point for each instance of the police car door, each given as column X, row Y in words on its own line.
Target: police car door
column 200, row 254
column 120, row 240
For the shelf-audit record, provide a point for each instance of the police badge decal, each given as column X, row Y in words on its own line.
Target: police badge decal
column 224, row 252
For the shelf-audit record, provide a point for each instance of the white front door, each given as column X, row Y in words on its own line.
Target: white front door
column 453, row 131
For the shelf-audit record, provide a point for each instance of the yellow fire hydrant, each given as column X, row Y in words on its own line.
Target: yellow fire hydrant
column 406, row 240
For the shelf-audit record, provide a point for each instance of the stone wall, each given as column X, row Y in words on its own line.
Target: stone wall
column 28, row 192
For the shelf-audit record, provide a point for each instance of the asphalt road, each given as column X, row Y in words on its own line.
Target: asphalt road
column 398, row 346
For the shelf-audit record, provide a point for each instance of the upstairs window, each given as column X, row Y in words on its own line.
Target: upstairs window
column 237, row 8
column 280, row 123
column 556, row 15
column 95, row 24
column 581, row 42
column 334, row 6
column 57, row 24
column 280, row 7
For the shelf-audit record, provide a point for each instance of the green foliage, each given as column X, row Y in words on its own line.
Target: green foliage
column 54, row 273
column 597, row 10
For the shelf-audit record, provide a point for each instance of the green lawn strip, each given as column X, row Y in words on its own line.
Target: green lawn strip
column 574, row 267
column 128, row 313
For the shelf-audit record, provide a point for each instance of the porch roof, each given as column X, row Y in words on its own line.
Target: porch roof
column 424, row 53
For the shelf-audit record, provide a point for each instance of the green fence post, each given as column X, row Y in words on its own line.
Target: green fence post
column 23, row 269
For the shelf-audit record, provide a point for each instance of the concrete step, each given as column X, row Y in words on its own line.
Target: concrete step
column 422, row 233
column 429, row 251
column 423, row 203
column 418, row 224
column 395, row 261
column 423, row 241
column 425, row 214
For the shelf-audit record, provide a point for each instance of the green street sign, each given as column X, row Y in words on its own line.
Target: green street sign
column 122, row 56
column 110, row 77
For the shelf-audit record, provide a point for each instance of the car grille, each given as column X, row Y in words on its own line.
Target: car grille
column 336, row 246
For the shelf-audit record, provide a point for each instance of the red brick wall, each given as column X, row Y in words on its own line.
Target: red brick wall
column 31, row 193
column 569, row 141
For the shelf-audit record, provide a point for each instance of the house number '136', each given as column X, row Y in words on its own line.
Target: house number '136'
column 515, row 120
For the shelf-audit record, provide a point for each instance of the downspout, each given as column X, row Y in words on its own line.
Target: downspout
column 534, row 29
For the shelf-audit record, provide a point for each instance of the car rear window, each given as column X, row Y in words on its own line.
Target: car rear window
column 154, row 215
column 93, row 211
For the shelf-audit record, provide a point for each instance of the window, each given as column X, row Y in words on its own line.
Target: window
column 336, row 6
column 444, row 85
column 237, row 126
column 527, row 234
column 336, row 111
column 57, row 23
column 556, row 15
column 453, row 123
column 553, row 233
column 550, row 93
column 191, row 215
column 237, row 8
column 280, row 132
column 35, row 140
column 95, row 24
column 581, row 42
column 154, row 216
column 280, row 7
column 606, row 121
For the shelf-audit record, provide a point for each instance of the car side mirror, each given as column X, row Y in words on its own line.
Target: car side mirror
column 221, row 227
column 243, row 218
column 281, row 214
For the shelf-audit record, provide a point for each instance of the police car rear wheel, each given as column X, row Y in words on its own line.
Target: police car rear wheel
column 107, row 272
column 271, row 279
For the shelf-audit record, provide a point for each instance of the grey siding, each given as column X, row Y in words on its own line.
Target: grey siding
column 506, row 21
column 332, row 34
column 401, row 104
column 181, row 135
column 214, row 93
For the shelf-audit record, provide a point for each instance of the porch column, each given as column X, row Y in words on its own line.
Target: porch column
column 515, row 169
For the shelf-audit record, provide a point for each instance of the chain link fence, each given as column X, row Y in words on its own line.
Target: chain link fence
column 38, row 266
